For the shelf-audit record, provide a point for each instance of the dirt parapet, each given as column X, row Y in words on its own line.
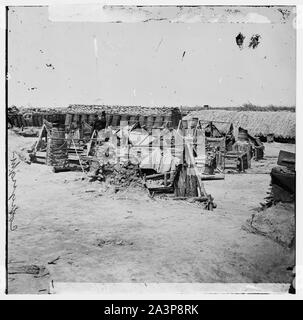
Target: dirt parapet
column 276, row 223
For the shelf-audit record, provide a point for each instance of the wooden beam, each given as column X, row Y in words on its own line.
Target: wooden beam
column 158, row 175
column 39, row 138
column 212, row 177
column 188, row 151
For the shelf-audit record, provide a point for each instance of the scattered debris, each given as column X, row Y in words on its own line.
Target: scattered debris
column 239, row 40
column 27, row 269
column 119, row 175
column 285, row 13
column 158, row 46
column 254, row 41
column 54, row 261
column 276, row 223
column 49, row 65
column 114, row 242
column 44, row 274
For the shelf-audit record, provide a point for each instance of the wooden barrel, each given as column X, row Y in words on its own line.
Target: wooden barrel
column 80, row 118
column 35, row 120
column 243, row 135
column 40, row 119
column 194, row 123
column 125, row 117
column 259, row 152
column 270, row 138
column 91, row 118
column 56, row 154
column 29, row 120
column 62, row 118
column 158, row 121
column 56, row 117
column 133, row 119
column 68, row 119
column 142, row 120
column 84, row 117
column 116, row 120
column 23, row 122
column 19, row 120
column 167, row 120
column 76, row 118
column 109, row 118
column 176, row 117
column 15, row 120
column 150, row 121
column 184, row 124
column 208, row 170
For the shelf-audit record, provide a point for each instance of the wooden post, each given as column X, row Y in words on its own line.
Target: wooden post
column 191, row 161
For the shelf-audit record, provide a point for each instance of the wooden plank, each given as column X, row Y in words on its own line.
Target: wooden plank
column 39, row 138
column 212, row 177
column 90, row 143
column 189, row 152
column 199, row 199
column 165, row 189
column 286, row 158
column 158, row 175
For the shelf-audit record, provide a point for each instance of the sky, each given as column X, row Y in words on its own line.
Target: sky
column 150, row 56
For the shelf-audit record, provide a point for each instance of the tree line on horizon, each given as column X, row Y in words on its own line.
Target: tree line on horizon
column 244, row 107
column 183, row 108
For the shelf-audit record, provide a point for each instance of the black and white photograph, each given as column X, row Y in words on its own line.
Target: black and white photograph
column 151, row 149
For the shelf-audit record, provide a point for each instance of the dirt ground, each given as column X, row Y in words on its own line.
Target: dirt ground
column 129, row 237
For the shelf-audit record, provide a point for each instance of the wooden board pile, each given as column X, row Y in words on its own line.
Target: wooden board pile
column 235, row 161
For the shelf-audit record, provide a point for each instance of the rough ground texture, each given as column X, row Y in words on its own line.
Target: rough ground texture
column 80, row 233
column 276, row 222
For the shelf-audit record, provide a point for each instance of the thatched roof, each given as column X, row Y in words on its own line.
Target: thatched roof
column 258, row 123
